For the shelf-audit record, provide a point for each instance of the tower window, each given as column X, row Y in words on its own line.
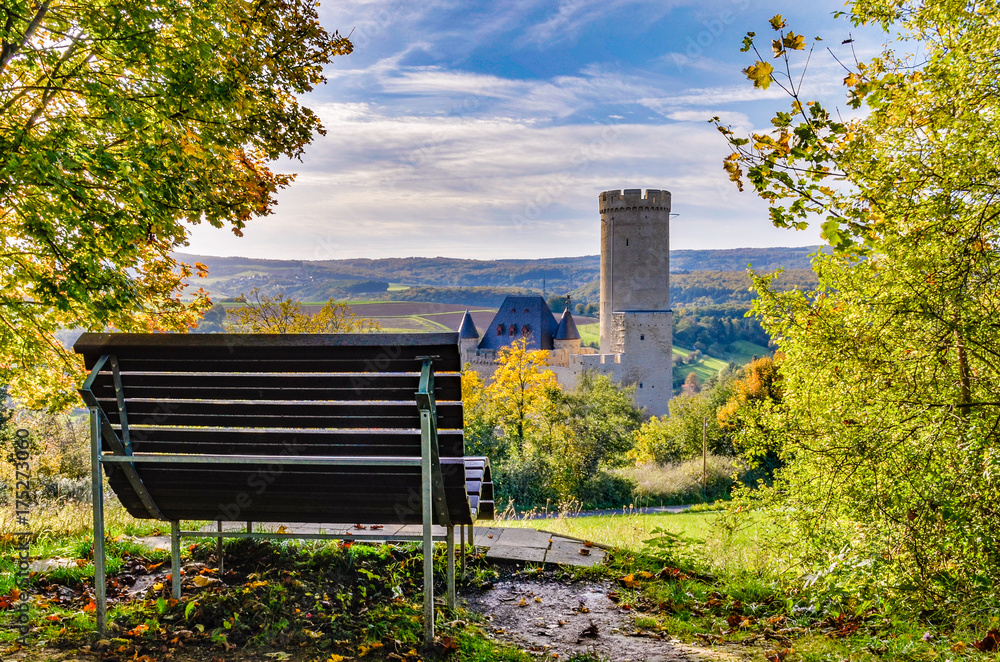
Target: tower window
column 642, row 336
column 626, row 242
column 527, row 312
column 526, row 330
column 499, row 329
column 640, row 384
column 513, row 330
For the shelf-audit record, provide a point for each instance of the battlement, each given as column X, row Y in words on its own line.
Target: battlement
column 632, row 198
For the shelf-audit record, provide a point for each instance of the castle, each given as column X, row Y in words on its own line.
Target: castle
column 635, row 319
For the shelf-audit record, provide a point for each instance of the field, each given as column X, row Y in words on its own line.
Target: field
column 413, row 316
column 590, row 334
column 706, row 368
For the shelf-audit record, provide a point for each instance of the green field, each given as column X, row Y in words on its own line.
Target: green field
column 706, row 368
column 590, row 334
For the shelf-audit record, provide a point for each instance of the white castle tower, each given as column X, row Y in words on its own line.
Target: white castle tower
column 636, row 321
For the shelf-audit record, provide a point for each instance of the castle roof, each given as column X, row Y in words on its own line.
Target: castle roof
column 567, row 327
column 521, row 317
column 467, row 329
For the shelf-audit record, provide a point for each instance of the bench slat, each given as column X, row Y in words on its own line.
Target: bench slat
column 301, row 442
column 319, row 417
column 367, row 393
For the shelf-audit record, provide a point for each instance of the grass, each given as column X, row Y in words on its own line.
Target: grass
column 681, row 483
column 706, row 368
column 707, row 578
column 744, row 351
column 590, row 334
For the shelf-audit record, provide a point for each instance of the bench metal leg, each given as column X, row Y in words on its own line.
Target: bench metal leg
column 426, row 491
column 451, row 567
column 97, row 480
column 249, row 526
column 461, row 530
column 175, row 557
column 218, row 552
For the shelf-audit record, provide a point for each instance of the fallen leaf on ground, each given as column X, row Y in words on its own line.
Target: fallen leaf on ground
column 990, row 642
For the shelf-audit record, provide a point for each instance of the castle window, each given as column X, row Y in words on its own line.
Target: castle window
column 526, row 330
column 527, row 312
column 499, row 329
column 640, row 384
column 513, row 330
column 626, row 242
column 512, row 310
column 642, row 336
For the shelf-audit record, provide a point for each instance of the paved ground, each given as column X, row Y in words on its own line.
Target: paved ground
column 501, row 544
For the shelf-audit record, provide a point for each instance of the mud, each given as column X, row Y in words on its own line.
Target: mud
column 564, row 619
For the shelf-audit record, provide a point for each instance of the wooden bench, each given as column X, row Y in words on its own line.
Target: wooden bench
column 347, row 428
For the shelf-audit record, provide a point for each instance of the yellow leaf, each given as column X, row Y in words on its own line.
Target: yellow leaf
column 852, row 80
column 778, row 22
column 202, row 581
column 760, row 74
column 776, row 47
column 336, row 658
column 795, row 42
column 158, row 586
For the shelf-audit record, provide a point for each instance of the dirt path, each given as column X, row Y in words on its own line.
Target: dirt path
column 570, row 618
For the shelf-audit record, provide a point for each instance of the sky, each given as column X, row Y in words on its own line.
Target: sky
column 487, row 129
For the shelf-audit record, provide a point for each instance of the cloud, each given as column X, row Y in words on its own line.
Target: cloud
column 384, row 184
column 570, row 17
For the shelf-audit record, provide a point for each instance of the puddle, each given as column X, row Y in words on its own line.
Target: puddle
column 569, row 618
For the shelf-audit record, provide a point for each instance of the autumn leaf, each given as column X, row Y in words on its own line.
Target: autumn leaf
column 777, row 22
column 990, row 642
column 760, row 74
column 628, row 581
column 792, row 41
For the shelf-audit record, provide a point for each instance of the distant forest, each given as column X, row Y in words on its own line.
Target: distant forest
column 305, row 280
column 709, row 290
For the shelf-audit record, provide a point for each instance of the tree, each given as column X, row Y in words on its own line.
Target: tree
column 596, row 423
column 521, row 391
column 279, row 314
column 122, row 123
column 891, row 376
column 692, row 384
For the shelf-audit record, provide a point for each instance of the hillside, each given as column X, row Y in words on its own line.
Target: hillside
column 385, row 279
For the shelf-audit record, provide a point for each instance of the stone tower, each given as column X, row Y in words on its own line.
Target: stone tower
column 636, row 320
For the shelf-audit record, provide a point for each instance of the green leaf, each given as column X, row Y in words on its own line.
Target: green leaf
column 748, row 42
column 777, row 22
column 189, row 609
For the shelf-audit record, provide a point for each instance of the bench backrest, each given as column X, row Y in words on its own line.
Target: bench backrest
column 337, row 395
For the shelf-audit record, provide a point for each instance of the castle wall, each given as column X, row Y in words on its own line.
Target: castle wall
column 647, row 341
